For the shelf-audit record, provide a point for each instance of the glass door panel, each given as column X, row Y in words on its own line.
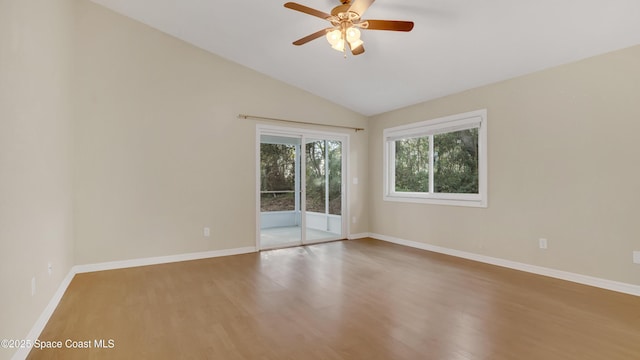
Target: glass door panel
column 323, row 190
column 280, row 191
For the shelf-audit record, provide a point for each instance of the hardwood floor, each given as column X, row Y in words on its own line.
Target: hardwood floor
column 358, row 299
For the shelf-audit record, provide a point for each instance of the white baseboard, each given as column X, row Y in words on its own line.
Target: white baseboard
column 161, row 259
column 42, row 321
column 539, row 270
column 358, row 236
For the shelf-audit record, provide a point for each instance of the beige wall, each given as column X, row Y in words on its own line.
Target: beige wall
column 563, row 165
column 35, row 162
column 160, row 150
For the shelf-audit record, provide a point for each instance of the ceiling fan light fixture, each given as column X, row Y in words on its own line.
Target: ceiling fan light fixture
column 346, row 23
column 353, row 34
column 353, row 37
column 334, row 36
column 339, row 45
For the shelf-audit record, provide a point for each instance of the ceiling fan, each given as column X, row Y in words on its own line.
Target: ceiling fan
column 346, row 20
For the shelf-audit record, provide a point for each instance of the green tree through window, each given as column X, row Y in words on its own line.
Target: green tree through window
column 439, row 161
column 412, row 165
column 455, row 165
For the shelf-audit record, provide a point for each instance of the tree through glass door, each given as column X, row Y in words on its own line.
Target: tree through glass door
column 286, row 217
column 280, row 189
column 323, row 191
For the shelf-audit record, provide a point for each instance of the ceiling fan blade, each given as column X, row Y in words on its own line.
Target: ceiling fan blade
column 391, row 25
column 357, row 51
column 313, row 36
column 360, row 6
column 307, row 10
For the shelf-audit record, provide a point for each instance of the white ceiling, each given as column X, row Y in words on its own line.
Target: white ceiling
column 455, row 44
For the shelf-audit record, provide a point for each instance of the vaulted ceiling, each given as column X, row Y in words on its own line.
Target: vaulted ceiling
column 455, row 44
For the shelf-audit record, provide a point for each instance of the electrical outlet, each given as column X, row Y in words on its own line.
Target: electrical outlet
column 354, row 220
column 50, row 268
column 542, row 243
column 207, row 232
column 33, row 286
column 636, row 257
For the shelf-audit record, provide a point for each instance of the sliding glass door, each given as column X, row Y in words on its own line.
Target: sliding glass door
column 280, row 191
column 323, row 191
column 300, row 188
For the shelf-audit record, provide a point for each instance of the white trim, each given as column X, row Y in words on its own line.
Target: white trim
column 323, row 240
column 257, row 188
column 358, row 236
column 473, row 119
column 42, row 321
column 539, row 270
column 399, row 197
column 463, row 118
column 451, row 123
column 161, row 259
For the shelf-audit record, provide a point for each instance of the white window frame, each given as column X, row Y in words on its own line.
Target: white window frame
column 469, row 120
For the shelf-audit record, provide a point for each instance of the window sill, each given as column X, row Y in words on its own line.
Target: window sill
column 434, row 201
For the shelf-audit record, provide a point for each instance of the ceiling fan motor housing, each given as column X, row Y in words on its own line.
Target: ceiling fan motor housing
column 340, row 9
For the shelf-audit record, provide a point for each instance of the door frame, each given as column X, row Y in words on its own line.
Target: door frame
column 303, row 134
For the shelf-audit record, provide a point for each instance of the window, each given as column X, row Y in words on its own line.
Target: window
column 441, row 161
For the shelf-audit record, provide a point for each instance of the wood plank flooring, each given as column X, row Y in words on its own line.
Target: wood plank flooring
column 358, row 299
